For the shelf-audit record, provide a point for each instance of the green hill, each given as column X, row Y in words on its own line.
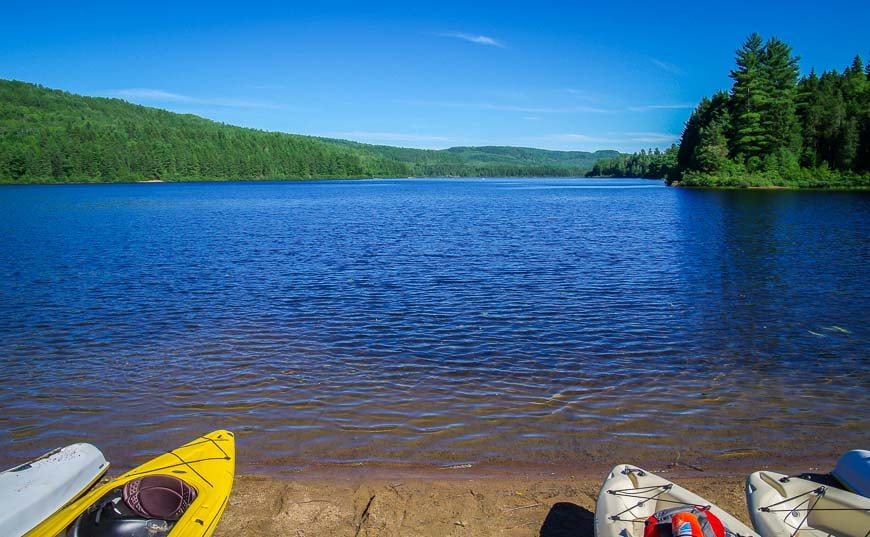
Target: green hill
column 487, row 160
column 53, row 136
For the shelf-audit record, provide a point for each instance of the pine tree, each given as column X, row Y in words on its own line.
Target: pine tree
column 698, row 132
column 691, row 136
column 853, row 86
column 711, row 154
column 810, row 115
column 863, row 158
column 779, row 70
column 748, row 99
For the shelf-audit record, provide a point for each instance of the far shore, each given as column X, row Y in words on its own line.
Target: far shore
column 675, row 184
column 456, row 503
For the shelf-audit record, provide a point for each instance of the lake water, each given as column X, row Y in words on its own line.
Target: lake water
column 428, row 323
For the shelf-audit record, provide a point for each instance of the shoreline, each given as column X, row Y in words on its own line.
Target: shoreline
column 589, row 463
column 675, row 184
column 465, row 502
column 379, row 500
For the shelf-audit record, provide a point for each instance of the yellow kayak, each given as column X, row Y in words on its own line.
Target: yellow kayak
column 182, row 493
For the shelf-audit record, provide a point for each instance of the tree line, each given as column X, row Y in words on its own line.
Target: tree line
column 488, row 161
column 771, row 129
column 648, row 164
column 53, row 136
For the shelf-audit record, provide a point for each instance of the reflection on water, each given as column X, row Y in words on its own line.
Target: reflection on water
column 434, row 322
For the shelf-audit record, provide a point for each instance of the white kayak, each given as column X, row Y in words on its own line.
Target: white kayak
column 783, row 506
column 31, row 492
column 631, row 495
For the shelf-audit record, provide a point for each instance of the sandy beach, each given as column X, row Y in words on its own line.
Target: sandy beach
column 455, row 504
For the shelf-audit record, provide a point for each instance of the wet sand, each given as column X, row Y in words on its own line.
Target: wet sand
column 458, row 503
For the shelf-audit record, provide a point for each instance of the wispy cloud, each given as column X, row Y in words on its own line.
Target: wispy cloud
column 151, row 94
column 266, row 86
column 510, row 107
column 506, row 94
column 652, row 137
column 669, row 67
column 377, row 136
column 586, row 95
column 479, row 39
column 574, row 137
column 622, row 139
column 158, row 95
column 648, row 107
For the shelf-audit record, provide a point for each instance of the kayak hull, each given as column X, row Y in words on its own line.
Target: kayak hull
column 630, row 495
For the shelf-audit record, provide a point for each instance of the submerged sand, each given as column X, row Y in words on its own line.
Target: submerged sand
column 357, row 505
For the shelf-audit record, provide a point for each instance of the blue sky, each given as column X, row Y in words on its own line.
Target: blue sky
column 553, row 75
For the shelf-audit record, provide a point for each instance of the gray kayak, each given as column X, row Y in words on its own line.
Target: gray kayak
column 33, row 491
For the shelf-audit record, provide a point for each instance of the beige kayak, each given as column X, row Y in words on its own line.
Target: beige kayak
column 630, row 495
column 783, row 506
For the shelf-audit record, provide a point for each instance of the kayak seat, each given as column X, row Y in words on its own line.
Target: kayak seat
column 159, row 496
column 144, row 507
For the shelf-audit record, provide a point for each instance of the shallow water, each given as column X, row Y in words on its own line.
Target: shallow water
column 435, row 322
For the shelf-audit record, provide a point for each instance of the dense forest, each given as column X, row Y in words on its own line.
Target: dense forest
column 489, row 160
column 771, row 129
column 53, row 136
column 651, row 164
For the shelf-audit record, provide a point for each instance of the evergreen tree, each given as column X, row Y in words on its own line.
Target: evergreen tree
column 691, row 136
column 857, row 104
column 698, row 131
column 711, row 153
column 779, row 76
column 748, row 100
column 863, row 161
column 780, row 130
column 810, row 112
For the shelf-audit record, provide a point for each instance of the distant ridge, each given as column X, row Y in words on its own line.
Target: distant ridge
column 475, row 161
column 52, row 136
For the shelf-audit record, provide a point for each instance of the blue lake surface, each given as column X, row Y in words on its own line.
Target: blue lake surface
column 497, row 322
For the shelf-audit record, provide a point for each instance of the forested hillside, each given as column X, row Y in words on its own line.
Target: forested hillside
column 771, row 129
column 53, row 136
column 489, row 160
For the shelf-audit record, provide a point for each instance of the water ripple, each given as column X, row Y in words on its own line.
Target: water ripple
column 434, row 322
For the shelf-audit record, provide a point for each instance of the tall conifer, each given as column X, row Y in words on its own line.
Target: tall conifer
column 779, row 72
column 748, row 98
